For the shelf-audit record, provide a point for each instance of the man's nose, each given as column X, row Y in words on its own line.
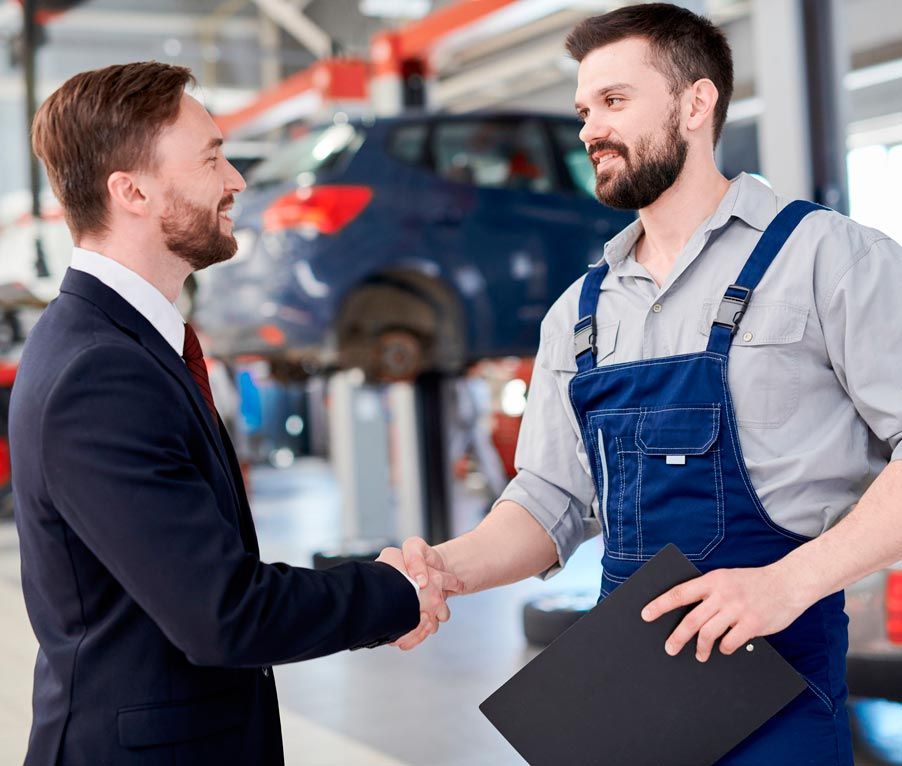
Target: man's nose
column 235, row 182
column 594, row 130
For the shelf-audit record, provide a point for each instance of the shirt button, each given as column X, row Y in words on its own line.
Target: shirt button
column 747, row 337
column 657, row 308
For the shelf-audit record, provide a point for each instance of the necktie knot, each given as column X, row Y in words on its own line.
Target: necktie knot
column 193, row 355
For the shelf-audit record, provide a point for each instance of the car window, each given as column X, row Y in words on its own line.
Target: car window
column 319, row 149
column 576, row 160
column 408, row 143
column 492, row 153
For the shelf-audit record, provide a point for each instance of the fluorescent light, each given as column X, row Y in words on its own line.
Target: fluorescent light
column 395, row 9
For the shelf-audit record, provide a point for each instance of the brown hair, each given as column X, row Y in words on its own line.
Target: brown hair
column 99, row 122
column 684, row 47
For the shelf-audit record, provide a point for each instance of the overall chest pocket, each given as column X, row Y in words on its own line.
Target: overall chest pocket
column 659, row 481
column 765, row 361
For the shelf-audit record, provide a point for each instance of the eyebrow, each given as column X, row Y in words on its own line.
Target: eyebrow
column 602, row 92
column 213, row 143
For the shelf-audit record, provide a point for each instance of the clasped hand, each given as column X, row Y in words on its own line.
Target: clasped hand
column 425, row 566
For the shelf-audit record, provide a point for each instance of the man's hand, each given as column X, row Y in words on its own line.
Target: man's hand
column 738, row 604
column 423, row 563
column 435, row 585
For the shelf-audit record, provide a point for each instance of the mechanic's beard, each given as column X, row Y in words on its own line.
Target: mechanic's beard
column 654, row 172
column 192, row 233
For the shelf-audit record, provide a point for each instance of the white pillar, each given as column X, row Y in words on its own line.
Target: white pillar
column 783, row 133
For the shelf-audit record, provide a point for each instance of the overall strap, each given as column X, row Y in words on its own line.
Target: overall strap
column 736, row 299
column 584, row 330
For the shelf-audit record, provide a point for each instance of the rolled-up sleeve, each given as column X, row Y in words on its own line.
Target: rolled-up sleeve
column 864, row 338
column 553, row 482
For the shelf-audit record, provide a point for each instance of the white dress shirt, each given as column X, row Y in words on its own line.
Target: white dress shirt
column 137, row 292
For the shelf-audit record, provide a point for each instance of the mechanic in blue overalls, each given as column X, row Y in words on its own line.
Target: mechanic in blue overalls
column 727, row 378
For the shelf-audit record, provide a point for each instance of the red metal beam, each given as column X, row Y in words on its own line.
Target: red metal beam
column 334, row 79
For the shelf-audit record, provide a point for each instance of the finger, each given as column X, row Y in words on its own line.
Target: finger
column 416, row 636
column 709, row 633
column 443, row 614
column 414, row 549
column 410, row 639
column 738, row 637
column 451, row 583
column 681, row 595
column 688, row 627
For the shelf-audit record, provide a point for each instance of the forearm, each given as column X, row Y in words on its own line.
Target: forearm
column 509, row 545
column 868, row 539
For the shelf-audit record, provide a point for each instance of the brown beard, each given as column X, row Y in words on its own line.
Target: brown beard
column 192, row 232
column 654, row 171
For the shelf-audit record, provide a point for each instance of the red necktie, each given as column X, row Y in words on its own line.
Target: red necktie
column 194, row 358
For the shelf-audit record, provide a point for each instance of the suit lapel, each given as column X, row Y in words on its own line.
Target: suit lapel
column 122, row 313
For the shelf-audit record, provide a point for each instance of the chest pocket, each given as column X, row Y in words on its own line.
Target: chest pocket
column 658, row 476
column 764, row 362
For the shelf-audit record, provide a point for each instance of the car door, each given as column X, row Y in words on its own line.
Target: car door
column 526, row 236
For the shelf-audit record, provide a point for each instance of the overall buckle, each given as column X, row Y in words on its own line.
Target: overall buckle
column 732, row 307
column 584, row 336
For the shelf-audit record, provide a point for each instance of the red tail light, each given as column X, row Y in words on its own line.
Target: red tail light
column 894, row 606
column 327, row 209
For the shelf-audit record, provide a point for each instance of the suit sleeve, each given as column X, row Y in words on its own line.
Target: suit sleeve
column 118, row 469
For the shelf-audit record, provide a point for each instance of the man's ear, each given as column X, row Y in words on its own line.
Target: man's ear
column 126, row 193
column 703, row 97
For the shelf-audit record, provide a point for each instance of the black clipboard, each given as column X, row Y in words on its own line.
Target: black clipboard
column 606, row 694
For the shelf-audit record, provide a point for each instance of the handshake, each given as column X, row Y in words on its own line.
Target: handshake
column 426, row 566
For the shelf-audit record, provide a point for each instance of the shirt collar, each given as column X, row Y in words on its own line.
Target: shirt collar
column 146, row 299
column 748, row 199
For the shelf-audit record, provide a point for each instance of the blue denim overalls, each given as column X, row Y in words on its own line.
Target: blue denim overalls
column 662, row 439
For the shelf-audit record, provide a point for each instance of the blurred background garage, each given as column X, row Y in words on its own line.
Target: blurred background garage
column 417, row 198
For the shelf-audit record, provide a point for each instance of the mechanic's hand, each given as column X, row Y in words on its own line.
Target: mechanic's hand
column 738, row 604
column 423, row 562
column 435, row 585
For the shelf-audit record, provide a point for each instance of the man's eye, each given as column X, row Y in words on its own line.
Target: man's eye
column 611, row 101
column 213, row 159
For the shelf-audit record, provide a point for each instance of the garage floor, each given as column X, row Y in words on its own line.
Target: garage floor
column 369, row 708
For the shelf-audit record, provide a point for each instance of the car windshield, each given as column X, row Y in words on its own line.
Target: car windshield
column 319, row 149
column 579, row 166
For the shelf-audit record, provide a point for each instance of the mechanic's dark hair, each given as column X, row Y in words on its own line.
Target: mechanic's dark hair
column 684, row 47
column 99, row 122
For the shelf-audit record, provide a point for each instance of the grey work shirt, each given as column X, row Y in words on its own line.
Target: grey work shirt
column 815, row 369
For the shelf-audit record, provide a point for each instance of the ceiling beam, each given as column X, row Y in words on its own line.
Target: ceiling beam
column 301, row 28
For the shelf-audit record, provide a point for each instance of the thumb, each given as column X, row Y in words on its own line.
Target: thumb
column 415, row 550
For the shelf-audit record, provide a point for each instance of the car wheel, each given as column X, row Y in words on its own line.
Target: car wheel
column 546, row 618
column 397, row 356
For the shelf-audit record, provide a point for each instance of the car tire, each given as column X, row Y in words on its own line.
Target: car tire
column 398, row 356
column 544, row 619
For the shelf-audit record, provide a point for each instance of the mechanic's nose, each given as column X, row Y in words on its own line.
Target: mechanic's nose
column 235, row 182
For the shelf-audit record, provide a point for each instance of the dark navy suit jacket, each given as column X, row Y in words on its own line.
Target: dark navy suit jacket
column 156, row 619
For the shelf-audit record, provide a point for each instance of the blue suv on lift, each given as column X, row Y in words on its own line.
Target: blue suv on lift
column 402, row 245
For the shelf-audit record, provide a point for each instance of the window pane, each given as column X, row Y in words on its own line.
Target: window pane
column 493, row 154
column 408, row 142
column 319, row 149
column 577, row 161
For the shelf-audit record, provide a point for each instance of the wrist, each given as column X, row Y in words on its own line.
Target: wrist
column 798, row 579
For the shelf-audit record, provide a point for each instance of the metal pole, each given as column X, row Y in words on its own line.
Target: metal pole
column 826, row 61
column 30, row 40
column 433, row 417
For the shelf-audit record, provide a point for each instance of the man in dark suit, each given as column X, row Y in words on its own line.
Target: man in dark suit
column 156, row 619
